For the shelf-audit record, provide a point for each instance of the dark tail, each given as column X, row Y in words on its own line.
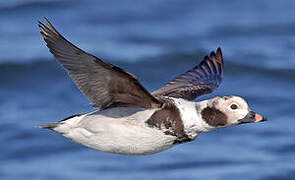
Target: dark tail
column 50, row 125
column 54, row 125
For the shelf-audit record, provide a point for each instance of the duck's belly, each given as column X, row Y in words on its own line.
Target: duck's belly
column 117, row 132
column 122, row 138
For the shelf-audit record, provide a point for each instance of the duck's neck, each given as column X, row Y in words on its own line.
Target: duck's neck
column 190, row 113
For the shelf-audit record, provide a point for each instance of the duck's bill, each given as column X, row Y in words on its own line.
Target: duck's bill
column 259, row 118
column 253, row 117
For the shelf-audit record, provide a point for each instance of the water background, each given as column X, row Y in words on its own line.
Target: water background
column 155, row 40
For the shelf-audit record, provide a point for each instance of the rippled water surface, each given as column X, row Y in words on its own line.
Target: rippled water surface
column 155, row 40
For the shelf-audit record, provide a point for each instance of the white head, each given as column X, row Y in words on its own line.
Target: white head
column 224, row 111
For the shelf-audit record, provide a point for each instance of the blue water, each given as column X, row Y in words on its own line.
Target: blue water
column 155, row 40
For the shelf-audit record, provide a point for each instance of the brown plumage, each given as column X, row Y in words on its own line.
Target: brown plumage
column 168, row 118
column 104, row 84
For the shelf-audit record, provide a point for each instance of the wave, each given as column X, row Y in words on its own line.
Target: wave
column 17, row 4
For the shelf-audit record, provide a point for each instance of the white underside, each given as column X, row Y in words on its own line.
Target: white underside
column 118, row 130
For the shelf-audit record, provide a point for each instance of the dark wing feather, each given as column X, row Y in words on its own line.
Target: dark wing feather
column 202, row 79
column 104, row 84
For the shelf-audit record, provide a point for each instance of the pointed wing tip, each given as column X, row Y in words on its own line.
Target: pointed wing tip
column 41, row 24
column 219, row 54
column 42, row 29
column 218, row 49
column 49, row 26
column 47, row 22
column 214, row 56
column 213, row 63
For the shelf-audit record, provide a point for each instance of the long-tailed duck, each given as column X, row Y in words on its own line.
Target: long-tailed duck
column 130, row 119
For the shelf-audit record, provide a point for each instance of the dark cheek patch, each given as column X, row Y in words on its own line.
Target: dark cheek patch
column 214, row 117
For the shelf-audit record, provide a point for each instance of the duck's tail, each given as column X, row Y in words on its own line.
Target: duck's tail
column 65, row 125
column 50, row 125
column 60, row 127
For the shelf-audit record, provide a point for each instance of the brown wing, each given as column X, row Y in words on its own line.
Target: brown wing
column 104, row 84
column 201, row 80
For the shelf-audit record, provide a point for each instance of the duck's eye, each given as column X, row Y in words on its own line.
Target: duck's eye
column 234, row 106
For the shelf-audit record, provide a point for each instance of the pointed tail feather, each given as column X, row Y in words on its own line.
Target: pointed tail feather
column 50, row 125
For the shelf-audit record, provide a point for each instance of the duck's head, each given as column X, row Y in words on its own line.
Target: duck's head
column 224, row 111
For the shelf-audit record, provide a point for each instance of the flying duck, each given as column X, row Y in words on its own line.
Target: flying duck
column 132, row 121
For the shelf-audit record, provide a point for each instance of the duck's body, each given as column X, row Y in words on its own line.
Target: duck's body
column 133, row 121
column 132, row 130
